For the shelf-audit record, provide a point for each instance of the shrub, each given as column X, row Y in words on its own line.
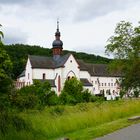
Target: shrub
column 24, row 98
column 136, row 93
column 37, row 96
column 86, row 96
column 65, row 98
column 52, row 99
column 74, row 93
column 94, row 98
column 122, row 93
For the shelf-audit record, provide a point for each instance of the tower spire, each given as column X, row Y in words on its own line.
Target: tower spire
column 57, row 34
column 58, row 24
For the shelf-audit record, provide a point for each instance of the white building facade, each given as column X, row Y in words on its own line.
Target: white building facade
column 58, row 68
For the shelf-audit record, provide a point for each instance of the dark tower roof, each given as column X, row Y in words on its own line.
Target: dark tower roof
column 57, row 43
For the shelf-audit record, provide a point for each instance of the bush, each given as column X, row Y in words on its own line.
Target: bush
column 24, row 98
column 136, row 93
column 52, row 99
column 86, row 96
column 65, row 98
column 122, row 93
column 94, row 98
column 74, row 93
column 37, row 96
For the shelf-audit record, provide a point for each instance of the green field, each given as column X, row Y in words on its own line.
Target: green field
column 81, row 122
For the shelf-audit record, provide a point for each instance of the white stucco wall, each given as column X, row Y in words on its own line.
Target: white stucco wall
column 70, row 68
column 38, row 73
column 54, row 89
column 90, row 88
column 85, row 74
column 21, row 79
column 105, row 83
column 28, row 73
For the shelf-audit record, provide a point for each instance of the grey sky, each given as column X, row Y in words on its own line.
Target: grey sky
column 85, row 25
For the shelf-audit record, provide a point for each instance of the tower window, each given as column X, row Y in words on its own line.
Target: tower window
column 28, row 75
column 44, row 76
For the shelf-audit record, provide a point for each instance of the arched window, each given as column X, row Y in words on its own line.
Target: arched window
column 71, row 74
column 68, row 77
column 59, row 83
column 44, row 76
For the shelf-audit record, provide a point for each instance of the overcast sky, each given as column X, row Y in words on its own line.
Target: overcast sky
column 85, row 25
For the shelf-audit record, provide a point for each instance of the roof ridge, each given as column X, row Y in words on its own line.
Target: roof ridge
column 40, row 56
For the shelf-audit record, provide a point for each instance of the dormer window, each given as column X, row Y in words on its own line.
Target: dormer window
column 44, row 76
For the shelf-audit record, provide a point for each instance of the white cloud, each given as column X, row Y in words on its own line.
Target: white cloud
column 14, row 35
column 85, row 25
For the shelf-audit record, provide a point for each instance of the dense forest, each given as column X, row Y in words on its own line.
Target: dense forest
column 18, row 54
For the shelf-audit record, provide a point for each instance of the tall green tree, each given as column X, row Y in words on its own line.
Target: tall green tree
column 1, row 34
column 5, row 74
column 124, row 45
column 8, row 120
column 74, row 93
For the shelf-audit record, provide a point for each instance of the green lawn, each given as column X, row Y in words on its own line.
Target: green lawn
column 80, row 122
column 98, row 131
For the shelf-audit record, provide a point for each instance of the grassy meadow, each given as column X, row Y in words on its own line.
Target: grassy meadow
column 80, row 122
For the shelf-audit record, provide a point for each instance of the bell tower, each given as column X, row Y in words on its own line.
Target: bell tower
column 57, row 45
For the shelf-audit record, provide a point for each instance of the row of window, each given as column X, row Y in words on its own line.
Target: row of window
column 43, row 76
column 105, row 84
column 109, row 84
column 100, row 84
column 108, row 92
